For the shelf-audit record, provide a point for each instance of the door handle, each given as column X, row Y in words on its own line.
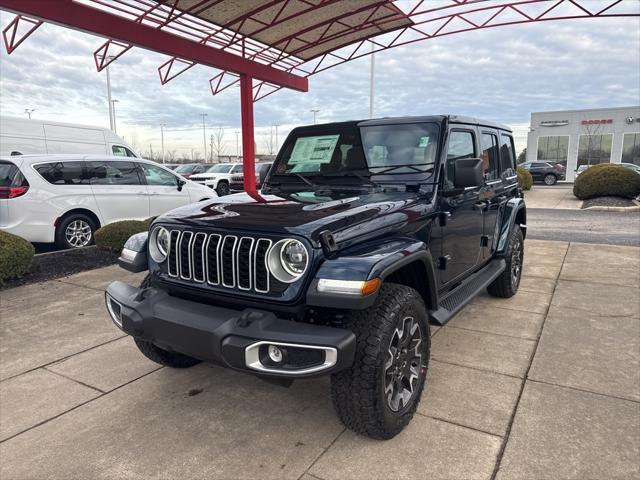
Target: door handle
column 141, row 193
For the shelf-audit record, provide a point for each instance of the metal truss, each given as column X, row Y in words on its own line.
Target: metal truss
column 13, row 34
column 429, row 19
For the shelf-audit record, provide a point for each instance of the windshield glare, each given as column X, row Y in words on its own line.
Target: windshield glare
column 220, row 168
column 381, row 151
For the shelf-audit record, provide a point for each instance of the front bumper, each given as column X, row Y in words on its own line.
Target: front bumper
column 237, row 339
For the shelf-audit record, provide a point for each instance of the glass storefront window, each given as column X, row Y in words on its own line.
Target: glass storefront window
column 554, row 149
column 594, row 149
column 631, row 148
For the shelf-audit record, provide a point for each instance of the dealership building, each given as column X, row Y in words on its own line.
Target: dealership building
column 585, row 137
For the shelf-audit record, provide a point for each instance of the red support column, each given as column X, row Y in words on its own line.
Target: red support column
column 248, row 141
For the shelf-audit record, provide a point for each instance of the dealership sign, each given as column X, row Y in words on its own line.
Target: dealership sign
column 597, row 122
column 554, row 123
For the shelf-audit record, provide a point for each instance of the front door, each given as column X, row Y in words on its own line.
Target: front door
column 164, row 192
column 462, row 213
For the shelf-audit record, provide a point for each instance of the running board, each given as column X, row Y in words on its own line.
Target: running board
column 453, row 301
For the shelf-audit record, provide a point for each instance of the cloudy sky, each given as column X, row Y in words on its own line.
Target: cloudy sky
column 502, row 74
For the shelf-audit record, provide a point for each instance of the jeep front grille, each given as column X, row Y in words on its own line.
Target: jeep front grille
column 225, row 261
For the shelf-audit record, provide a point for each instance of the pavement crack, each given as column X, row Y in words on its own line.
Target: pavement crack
column 74, row 380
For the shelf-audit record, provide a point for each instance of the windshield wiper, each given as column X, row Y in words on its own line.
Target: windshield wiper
column 412, row 166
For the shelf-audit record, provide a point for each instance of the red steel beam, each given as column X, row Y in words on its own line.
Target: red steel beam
column 248, row 139
column 92, row 20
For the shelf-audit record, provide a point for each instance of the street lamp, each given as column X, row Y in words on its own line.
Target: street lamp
column 372, row 81
column 113, row 109
column 237, row 144
column 29, row 111
column 162, row 139
column 276, row 136
column 204, row 136
column 314, row 111
column 112, row 122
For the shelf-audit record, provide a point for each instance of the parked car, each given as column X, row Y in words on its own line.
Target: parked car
column 236, row 182
column 188, row 169
column 337, row 271
column 22, row 136
column 219, row 176
column 171, row 166
column 546, row 172
column 65, row 198
column 580, row 169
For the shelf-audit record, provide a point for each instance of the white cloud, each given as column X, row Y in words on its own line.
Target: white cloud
column 501, row 74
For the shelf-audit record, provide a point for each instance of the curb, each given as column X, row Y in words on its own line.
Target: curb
column 596, row 208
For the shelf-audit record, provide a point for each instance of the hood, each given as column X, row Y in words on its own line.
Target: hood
column 305, row 214
column 206, row 175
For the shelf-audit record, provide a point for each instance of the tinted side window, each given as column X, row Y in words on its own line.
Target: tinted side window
column 507, row 155
column 490, row 163
column 236, row 169
column 461, row 145
column 63, row 173
column 113, row 173
column 158, row 176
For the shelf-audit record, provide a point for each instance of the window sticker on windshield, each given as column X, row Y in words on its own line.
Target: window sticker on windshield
column 314, row 149
column 424, row 141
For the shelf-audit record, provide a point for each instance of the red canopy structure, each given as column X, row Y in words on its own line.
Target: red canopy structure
column 266, row 45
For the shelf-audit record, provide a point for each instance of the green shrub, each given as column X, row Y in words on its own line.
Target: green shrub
column 525, row 180
column 112, row 237
column 15, row 256
column 607, row 179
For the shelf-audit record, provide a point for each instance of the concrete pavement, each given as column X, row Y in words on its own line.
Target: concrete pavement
column 543, row 385
column 559, row 196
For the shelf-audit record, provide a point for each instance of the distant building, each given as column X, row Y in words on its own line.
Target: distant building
column 585, row 137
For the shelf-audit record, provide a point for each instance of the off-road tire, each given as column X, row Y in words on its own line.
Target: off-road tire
column 222, row 189
column 504, row 286
column 60, row 237
column 358, row 393
column 550, row 179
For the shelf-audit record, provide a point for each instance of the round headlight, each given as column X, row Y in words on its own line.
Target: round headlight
column 159, row 244
column 288, row 260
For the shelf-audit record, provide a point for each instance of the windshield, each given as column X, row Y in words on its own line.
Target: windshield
column 386, row 153
column 220, row 168
column 184, row 169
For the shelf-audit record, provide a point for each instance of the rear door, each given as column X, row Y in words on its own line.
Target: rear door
column 492, row 193
column 118, row 189
column 538, row 170
column 165, row 193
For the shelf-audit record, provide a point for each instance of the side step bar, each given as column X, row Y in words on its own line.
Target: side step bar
column 453, row 301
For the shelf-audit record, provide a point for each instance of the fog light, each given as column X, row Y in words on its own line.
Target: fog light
column 275, row 354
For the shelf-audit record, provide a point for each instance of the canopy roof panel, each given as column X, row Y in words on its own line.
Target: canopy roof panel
column 301, row 28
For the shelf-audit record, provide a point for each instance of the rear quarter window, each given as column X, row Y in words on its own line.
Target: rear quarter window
column 63, row 173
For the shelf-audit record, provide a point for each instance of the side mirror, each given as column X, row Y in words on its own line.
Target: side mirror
column 180, row 184
column 468, row 173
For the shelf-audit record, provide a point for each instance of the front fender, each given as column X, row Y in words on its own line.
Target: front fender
column 514, row 216
column 366, row 262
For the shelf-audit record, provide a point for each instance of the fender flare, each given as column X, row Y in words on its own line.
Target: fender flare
column 515, row 207
column 374, row 261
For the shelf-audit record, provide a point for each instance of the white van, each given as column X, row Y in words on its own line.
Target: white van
column 65, row 198
column 21, row 136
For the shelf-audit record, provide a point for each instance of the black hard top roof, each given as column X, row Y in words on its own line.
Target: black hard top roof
column 415, row 119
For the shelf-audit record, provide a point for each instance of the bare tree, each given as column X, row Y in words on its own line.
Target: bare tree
column 593, row 145
column 269, row 143
column 217, row 144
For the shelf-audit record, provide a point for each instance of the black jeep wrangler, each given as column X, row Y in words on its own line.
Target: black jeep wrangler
column 363, row 234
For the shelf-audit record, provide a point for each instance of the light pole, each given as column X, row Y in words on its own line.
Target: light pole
column 237, row 144
column 372, row 89
column 29, row 111
column 113, row 109
column 204, row 136
column 112, row 123
column 162, row 139
column 276, row 137
column 314, row 111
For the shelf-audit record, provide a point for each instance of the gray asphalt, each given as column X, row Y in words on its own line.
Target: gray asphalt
column 586, row 226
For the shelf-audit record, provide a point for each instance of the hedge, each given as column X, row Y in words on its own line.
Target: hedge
column 525, row 180
column 15, row 256
column 113, row 236
column 607, row 179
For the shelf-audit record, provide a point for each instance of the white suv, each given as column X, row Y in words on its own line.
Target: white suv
column 218, row 176
column 65, row 198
